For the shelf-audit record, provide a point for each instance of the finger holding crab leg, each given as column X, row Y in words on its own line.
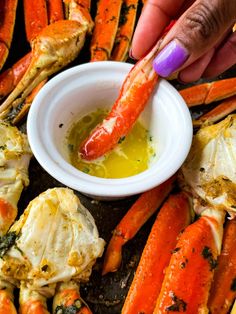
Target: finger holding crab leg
column 219, row 112
column 32, row 302
column 209, row 92
column 134, row 95
column 172, row 218
column 105, row 28
column 67, row 298
column 223, row 291
column 189, row 275
column 125, row 30
column 7, row 17
column 134, row 219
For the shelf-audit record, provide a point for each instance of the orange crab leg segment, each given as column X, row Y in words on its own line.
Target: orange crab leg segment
column 134, row 219
column 32, row 302
column 106, row 24
column 7, row 300
column 7, row 215
column 134, row 95
column 223, row 290
column 218, row 113
column 173, row 217
column 36, row 18
column 125, row 30
column 7, row 18
column 11, row 77
column 209, row 92
column 189, row 275
column 68, row 298
column 55, row 11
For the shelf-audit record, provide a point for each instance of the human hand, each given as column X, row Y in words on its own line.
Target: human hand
column 201, row 43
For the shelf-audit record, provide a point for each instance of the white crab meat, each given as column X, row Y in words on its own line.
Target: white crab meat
column 57, row 241
column 210, row 169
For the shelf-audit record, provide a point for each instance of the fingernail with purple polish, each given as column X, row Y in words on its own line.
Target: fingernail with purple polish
column 170, row 59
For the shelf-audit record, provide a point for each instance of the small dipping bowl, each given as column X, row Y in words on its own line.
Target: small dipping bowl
column 74, row 93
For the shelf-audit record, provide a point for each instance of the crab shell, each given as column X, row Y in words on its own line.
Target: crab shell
column 210, row 169
column 57, row 240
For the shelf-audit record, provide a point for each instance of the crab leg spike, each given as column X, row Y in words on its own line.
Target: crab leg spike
column 189, row 275
column 32, row 302
column 7, row 18
column 125, row 30
column 11, row 77
column 67, row 298
column 36, row 19
column 7, row 298
column 138, row 214
column 55, row 11
column 209, row 92
column 172, row 218
column 223, row 291
column 219, row 112
column 134, row 95
column 106, row 24
column 56, row 46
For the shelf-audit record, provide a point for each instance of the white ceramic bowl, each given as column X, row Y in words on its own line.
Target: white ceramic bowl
column 79, row 90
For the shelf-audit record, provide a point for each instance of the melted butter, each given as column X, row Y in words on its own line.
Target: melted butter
column 131, row 156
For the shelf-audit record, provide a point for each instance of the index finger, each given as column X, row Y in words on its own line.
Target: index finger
column 155, row 16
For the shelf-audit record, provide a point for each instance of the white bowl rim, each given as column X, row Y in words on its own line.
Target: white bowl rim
column 88, row 184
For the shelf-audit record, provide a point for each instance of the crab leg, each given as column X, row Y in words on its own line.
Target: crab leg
column 138, row 214
column 7, row 298
column 134, row 95
column 190, row 272
column 219, row 112
column 67, row 298
column 125, row 30
column 35, row 17
column 209, row 92
column 32, row 302
column 55, row 11
column 223, row 290
column 173, row 217
column 7, row 17
column 106, row 24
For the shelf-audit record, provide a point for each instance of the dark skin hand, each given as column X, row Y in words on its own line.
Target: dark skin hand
column 201, row 43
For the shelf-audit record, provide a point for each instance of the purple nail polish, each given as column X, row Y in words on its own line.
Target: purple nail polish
column 170, row 59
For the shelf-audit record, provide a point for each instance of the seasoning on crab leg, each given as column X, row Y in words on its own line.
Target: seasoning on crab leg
column 172, row 218
column 15, row 155
column 189, row 275
column 7, row 17
column 125, row 30
column 219, row 112
column 105, row 28
column 209, row 92
column 134, row 95
column 223, row 291
column 67, row 298
column 138, row 214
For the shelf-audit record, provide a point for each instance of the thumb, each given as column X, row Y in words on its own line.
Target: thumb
column 196, row 32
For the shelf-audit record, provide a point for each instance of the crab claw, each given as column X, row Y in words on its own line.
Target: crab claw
column 56, row 45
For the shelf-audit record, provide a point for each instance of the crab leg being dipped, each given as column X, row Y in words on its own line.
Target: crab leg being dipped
column 172, row 218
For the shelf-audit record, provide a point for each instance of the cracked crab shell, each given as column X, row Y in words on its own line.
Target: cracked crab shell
column 210, row 168
column 58, row 240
